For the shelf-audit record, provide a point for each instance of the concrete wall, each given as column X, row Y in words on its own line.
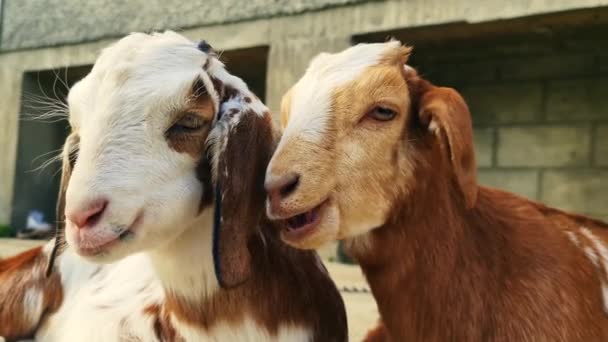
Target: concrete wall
column 36, row 23
column 294, row 31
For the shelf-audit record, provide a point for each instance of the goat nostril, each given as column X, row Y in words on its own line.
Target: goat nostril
column 90, row 216
column 282, row 186
column 290, row 187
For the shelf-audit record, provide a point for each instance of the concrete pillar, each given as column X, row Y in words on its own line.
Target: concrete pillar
column 10, row 97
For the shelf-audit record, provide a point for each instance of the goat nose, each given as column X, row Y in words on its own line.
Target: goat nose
column 88, row 215
column 279, row 187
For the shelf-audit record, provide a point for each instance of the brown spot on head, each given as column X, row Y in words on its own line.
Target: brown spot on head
column 218, row 86
column 191, row 125
column 229, row 93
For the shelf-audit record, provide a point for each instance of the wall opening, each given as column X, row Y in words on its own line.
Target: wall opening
column 251, row 65
column 40, row 139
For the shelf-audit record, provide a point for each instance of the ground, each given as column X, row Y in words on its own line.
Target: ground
column 360, row 306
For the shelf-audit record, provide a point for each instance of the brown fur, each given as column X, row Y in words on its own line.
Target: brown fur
column 377, row 334
column 163, row 329
column 286, row 286
column 26, row 272
column 194, row 143
column 450, row 260
column 502, row 270
column 268, row 280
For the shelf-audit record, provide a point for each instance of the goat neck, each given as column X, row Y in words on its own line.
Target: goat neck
column 185, row 265
column 440, row 270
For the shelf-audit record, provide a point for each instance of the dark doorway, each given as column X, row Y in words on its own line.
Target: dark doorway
column 41, row 137
column 250, row 64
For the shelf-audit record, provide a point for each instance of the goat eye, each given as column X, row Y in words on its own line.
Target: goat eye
column 382, row 113
column 188, row 123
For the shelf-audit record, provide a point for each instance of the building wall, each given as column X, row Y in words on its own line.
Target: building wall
column 36, row 23
column 39, row 35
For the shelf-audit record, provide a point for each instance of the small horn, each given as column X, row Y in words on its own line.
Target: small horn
column 204, row 46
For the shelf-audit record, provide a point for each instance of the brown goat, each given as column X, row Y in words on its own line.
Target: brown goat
column 377, row 156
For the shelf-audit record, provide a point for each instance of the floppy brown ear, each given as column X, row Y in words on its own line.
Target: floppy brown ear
column 447, row 116
column 69, row 154
column 243, row 151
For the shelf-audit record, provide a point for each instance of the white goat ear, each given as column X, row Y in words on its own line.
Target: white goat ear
column 245, row 150
column 69, row 155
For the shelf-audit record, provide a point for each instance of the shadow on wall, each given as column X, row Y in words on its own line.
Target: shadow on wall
column 37, row 173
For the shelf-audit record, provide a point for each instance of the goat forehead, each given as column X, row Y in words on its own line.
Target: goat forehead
column 313, row 95
column 345, row 65
column 159, row 51
column 138, row 71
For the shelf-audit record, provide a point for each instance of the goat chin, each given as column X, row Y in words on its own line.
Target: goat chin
column 155, row 157
column 446, row 259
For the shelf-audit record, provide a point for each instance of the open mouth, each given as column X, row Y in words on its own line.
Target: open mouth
column 300, row 225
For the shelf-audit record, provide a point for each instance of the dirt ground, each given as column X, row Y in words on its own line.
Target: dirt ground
column 360, row 306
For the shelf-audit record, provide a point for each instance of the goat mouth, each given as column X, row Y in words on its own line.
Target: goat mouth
column 122, row 235
column 302, row 224
column 99, row 249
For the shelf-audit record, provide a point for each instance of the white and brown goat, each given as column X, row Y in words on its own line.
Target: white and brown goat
column 375, row 155
column 163, row 200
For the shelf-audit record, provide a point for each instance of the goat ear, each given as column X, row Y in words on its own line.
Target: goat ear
column 243, row 151
column 446, row 115
column 69, row 154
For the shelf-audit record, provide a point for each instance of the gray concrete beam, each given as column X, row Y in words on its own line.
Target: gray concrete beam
column 35, row 23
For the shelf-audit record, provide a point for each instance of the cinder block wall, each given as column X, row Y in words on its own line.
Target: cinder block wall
column 540, row 111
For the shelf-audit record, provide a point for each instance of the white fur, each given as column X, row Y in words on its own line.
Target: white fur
column 597, row 254
column 434, row 127
column 33, row 303
column 572, row 236
column 98, row 298
column 116, row 294
column 312, row 95
column 601, row 261
column 192, row 247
